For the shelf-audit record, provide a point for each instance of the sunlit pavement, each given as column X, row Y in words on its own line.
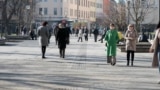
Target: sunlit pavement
column 83, row 68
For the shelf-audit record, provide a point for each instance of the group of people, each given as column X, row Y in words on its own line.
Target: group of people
column 111, row 37
column 61, row 36
column 84, row 31
column 131, row 36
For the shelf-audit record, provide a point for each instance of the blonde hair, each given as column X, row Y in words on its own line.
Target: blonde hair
column 130, row 25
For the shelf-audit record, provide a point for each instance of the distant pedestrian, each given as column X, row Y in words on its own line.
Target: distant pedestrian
column 50, row 34
column 55, row 33
column 76, row 32
column 62, row 40
column 155, row 47
column 103, row 35
column 95, row 32
column 80, row 35
column 43, row 34
column 68, row 30
column 131, row 39
column 111, row 38
column 85, row 33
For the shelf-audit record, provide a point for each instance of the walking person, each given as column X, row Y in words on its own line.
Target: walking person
column 62, row 40
column 55, row 33
column 80, row 35
column 103, row 35
column 131, row 39
column 111, row 38
column 155, row 47
column 86, row 33
column 43, row 34
column 95, row 32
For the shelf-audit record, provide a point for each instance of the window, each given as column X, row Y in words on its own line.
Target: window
column 55, row 0
column 75, row 1
column 45, row 0
column 45, row 11
column 71, row 1
column 40, row 0
column 55, row 11
column 61, row 12
column 71, row 12
column 40, row 11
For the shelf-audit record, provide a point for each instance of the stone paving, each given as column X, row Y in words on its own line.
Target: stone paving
column 84, row 68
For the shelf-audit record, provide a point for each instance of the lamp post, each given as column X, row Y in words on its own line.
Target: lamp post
column 78, row 2
column 28, row 8
column 128, row 7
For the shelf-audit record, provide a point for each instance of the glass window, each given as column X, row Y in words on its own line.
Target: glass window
column 45, row 11
column 45, row 0
column 61, row 11
column 55, row 0
column 40, row 11
column 55, row 11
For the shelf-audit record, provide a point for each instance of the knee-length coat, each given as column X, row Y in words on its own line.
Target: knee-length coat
column 62, row 38
column 43, row 34
column 131, row 43
column 111, row 38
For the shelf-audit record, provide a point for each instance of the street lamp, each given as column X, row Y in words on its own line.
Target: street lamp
column 27, row 8
column 78, row 12
column 128, row 7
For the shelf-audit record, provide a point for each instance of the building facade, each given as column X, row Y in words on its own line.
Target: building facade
column 69, row 10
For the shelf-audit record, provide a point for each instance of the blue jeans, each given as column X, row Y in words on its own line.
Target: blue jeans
column 159, row 57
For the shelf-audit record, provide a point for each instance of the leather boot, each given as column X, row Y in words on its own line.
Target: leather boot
column 127, row 62
column 108, row 59
column 132, row 63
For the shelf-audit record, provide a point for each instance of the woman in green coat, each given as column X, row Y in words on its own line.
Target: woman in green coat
column 111, row 38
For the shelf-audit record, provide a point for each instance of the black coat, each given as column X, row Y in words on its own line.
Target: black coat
column 62, row 38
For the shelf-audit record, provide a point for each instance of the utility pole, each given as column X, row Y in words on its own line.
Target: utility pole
column 78, row 2
column 128, row 3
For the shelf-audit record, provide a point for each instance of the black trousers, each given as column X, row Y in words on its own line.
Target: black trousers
column 95, row 38
column 80, row 38
column 130, row 52
column 62, row 52
column 43, row 51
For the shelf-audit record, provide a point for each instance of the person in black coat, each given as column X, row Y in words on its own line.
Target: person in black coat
column 95, row 32
column 62, row 40
column 86, row 33
column 55, row 33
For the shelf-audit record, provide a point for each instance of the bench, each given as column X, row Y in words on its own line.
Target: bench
column 141, row 47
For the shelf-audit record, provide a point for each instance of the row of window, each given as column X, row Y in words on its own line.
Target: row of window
column 53, row 0
column 44, row 11
column 84, row 3
column 82, row 14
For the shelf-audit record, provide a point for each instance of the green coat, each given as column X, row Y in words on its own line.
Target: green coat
column 111, row 38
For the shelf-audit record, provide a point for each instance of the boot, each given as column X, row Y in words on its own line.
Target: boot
column 127, row 62
column 132, row 63
column 63, row 53
column 108, row 59
column 113, row 61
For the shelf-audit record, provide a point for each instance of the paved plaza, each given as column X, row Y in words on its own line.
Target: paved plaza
column 83, row 68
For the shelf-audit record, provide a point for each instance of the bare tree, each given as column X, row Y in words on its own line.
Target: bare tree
column 138, row 9
column 16, row 9
column 116, row 13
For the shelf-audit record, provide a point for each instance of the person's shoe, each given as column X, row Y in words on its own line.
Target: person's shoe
column 43, row 57
column 127, row 63
column 159, row 82
column 131, row 63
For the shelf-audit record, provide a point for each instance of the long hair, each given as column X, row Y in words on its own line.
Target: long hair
column 158, row 26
